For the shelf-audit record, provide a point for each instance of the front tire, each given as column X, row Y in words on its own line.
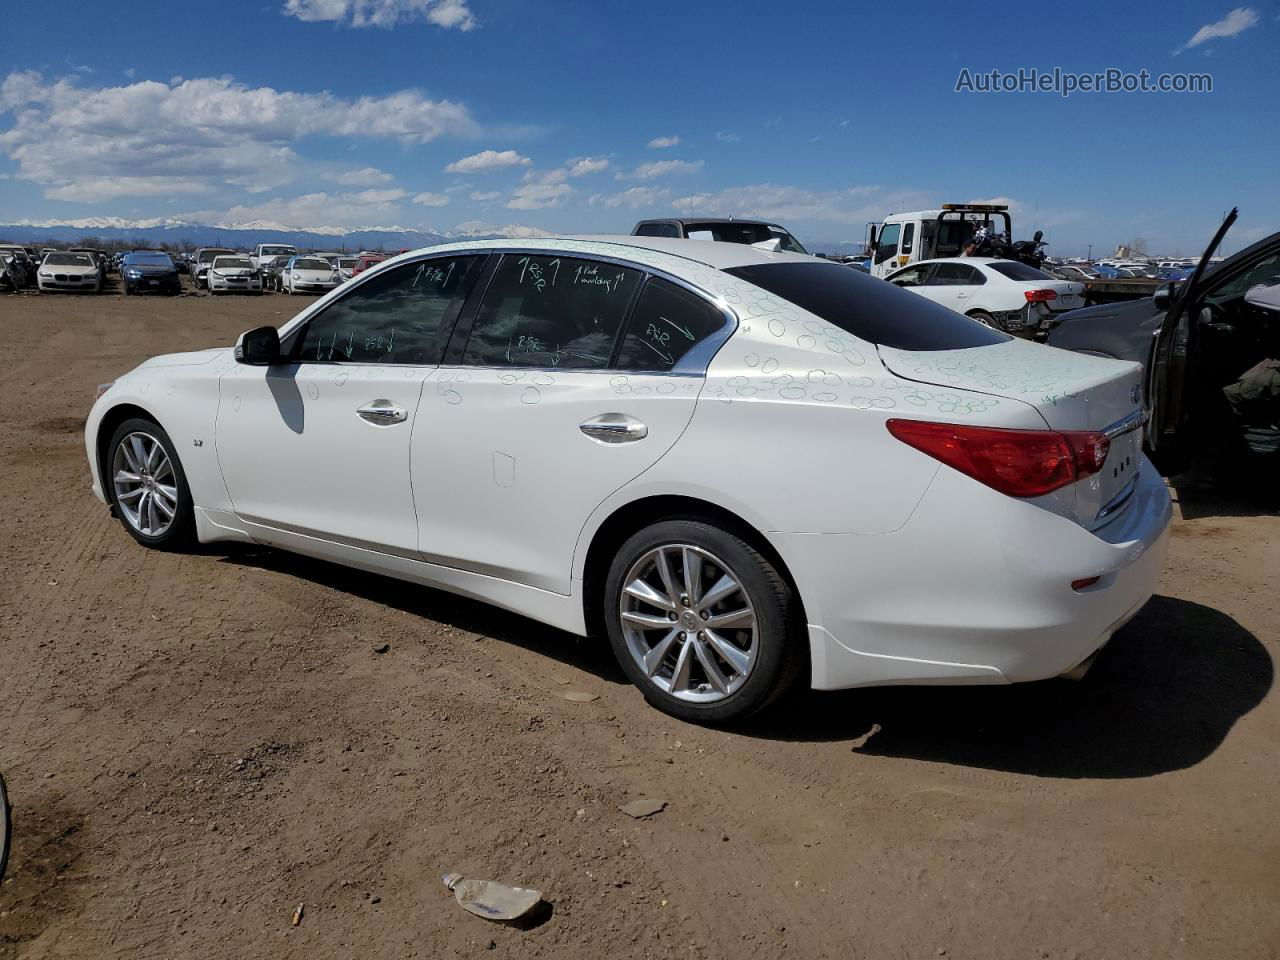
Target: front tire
column 701, row 622
column 147, row 486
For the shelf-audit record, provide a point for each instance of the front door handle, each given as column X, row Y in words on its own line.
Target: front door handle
column 614, row 428
column 382, row 413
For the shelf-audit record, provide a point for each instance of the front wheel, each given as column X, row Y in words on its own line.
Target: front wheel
column 148, row 487
column 701, row 622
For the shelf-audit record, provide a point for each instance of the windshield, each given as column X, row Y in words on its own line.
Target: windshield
column 1018, row 271
column 148, row 260
column 231, row 263
column 743, row 232
column 345, row 262
column 869, row 308
column 312, row 263
column 208, row 256
column 70, row 260
column 276, row 251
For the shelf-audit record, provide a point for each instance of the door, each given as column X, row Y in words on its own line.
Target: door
column 319, row 445
column 884, row 259
column 1169, row 377
column 952, row 285
column 577, row 376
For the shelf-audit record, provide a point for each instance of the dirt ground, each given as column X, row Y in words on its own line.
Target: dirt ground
column 196, row 744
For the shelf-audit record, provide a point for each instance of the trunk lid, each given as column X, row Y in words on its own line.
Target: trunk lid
column 1070, row 391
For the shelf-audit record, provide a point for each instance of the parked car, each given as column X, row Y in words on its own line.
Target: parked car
column 149, row 271
column 24, row 264
column 1068, row 271
column 1004, row 294
column 346, row 267
column 13, row 274
column 233, row 274
column 751, row 232
column 267, row 251
column 603, row 435
column 70, row 271
column 271, row 267
column 1216, row 334
column 308, row 275
column 200, row 264
column 365, row 261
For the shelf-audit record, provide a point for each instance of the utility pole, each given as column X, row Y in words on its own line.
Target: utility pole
column 1090, row 254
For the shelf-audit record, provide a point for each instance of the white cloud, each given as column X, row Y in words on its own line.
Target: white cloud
column 581, row 166
column 852, row 205
column 661, row 168
column 357, row 178
column 312, row 209
column 448, row 14
column 381, row 196
column 634, row 198
column 429, row 199
column 96, row 144
column 538, row 196
column 660, row 143
column 726, row 137
column 485, row 196
column 488, row 160
column 1234, row 23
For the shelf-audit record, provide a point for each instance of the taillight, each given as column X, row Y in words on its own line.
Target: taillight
column 1020, row 463
column 1040, row 296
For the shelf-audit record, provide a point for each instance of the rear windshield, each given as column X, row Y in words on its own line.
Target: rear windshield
column 312, row 263
column 735, row 232
column 870, row 308
column 1018, row 271
column 277, row 251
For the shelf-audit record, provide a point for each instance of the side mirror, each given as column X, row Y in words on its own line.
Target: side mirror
column 1163, row 296
column 259, row 347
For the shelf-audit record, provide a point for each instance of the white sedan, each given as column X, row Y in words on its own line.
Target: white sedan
column 69, row 271
column 1005, row 294
column 744, row 468
column 309, row 275
column 233, row 274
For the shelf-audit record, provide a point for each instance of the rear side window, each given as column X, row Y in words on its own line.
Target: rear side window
column 957, row 275
column 869, row 308
column 1018, row 271
column 543, row 311
column 399, row 316
column 657, row 229
column 667, row 323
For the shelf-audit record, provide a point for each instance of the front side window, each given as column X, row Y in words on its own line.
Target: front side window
column 908, row 237
column 551, row 311
column 667, row 323
column 400, row 316
column 887, row 245
column 957, row 275
column 911, row 277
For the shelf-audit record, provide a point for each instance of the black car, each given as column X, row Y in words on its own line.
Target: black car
column 149, row 272
column 729, row 230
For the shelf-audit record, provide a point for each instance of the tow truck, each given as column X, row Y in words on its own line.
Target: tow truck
column 904, row 238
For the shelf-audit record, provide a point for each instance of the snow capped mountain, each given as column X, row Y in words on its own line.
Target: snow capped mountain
column 248, row 233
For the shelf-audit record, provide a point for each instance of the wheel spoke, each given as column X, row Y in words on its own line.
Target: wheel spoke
column 153, row 453
column 163, row 470
column 136, row 492
column 680, row 675
column 153, row 519
column 724, row 587
column 653, row 659
column 647, row 621
column 139, row 453
column 710, row 667
column 127, row 476
column 664, row 571
column 160, row 502
column 167, row 492
column 735, row 656
column 692, row 575
column 126, row 451
column 642, row 591
column 742, row 619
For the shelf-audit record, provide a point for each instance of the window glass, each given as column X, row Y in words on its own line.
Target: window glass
column 869, row 308
column 1238, row 285
column 657, row 230
column 549, row 311
column 911, row 277
column 1018, row 271
column 400, row 316
column 667, row 322
column 908, row 237
column 957, row 275
column 887, row 244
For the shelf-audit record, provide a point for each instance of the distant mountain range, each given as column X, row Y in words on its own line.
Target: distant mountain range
column 242, row 235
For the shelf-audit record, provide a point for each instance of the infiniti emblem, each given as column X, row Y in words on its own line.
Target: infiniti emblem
column 689, row 620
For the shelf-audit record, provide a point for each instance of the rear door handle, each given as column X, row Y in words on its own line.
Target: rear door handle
column 614, row 428
column 382, row 413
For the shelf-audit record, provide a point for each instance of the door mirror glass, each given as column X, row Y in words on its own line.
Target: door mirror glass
column 1162, row 296
column 259, row 347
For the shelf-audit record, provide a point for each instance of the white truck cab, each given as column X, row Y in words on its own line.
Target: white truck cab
column 265, row 251
column 904, row 238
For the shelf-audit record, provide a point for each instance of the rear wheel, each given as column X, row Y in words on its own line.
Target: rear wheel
column 148, row 487
column 986, row 319
column 701, row 621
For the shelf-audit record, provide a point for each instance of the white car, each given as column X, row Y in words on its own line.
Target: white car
column 308, row 275
column 69, row 271
column 1005, row 294
column 265, row 251
column 1070, row 271
column 346, row 267
column 742, row 467
column 233, row 274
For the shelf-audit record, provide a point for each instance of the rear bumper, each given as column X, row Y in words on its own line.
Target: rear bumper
column 975, row 588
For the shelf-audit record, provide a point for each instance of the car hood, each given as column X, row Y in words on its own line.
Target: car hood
column 189, row 359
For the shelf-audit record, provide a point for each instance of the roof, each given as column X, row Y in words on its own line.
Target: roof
column 767, row 223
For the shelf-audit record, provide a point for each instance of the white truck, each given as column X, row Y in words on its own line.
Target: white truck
column 904, row 238
column 265, row 251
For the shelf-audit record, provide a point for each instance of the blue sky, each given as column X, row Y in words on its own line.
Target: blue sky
column 570, row 116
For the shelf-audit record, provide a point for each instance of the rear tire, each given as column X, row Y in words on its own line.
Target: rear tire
column 739, row 649
column 986, row 319
column 146, row 484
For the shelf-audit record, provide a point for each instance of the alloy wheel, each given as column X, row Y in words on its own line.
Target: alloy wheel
column 145, row 484
column 688, row 623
